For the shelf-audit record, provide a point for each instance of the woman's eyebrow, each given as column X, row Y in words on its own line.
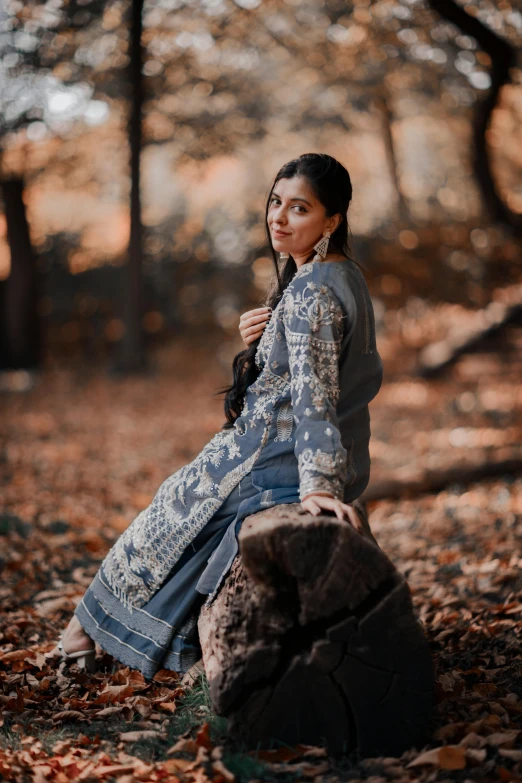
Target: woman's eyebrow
column 295, row 198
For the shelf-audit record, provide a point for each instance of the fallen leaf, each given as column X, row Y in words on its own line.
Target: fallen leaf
column 476, row 754
column 114, row 769
column 472, row 740
column 168, row 706
column 220, row 769
column 48, row 608
column 203, row 737
column 108, row 712
column 69, row 715
column 177, row 765
column 184, row 746
column 502, row 737
column 134, row 736
column 514, row 755
column 446, row 757
column 16, row 655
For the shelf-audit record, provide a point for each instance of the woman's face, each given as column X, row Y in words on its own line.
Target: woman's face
column 295, row 211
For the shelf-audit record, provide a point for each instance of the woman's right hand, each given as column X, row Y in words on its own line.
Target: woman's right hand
column 252, row 324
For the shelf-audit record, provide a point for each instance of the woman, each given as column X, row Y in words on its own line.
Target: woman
column 297, row 429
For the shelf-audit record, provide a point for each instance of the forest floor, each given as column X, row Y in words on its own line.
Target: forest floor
column 82, row 452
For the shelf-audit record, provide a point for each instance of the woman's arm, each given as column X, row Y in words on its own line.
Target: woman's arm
column 314, row 321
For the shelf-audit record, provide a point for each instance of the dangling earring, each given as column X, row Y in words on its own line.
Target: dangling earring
column 284, row 256
column 322, row 247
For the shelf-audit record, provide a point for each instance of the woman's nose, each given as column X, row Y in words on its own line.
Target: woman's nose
column 279, row 216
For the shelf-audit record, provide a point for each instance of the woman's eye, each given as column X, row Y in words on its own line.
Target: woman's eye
column 295, row 205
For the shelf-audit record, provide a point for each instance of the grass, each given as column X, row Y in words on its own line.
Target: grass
column 193, row 710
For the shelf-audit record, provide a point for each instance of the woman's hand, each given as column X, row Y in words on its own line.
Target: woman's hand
column 315, row 502
column 252, row 324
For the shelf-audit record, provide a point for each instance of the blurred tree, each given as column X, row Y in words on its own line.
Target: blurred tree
column 24, row 64
column 234, row 88
column 132, row 356
column 52, row 59
column 20, row 335
column 503, row 59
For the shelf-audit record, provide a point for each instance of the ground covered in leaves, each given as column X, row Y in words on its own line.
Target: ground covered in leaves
column 82, row 452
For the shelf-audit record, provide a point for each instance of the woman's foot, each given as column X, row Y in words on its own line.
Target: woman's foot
column 73, row 639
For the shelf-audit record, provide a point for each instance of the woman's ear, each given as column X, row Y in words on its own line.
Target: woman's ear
column 333, row 223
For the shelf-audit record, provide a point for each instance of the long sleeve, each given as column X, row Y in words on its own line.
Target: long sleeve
column 314, row 325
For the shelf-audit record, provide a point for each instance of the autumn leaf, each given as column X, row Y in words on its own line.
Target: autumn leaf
column 135, row 736
column 502, row 737
column 219, row 768
column 16, row 655
column 168, row 706
column 446, row 757
column 112, row 770
column 184, row 745
column 177, row 765
column 203, row 737
column 68, row 715
column 109, row 712
column 459, row 547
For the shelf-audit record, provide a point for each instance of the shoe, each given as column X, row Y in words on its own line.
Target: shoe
column 86, row 659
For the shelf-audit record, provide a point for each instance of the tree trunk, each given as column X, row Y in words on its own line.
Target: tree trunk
column 382, row 103
column 503, row 58
column 313, row 638
column 133, row 356
column 19, row 323
column 486, row 323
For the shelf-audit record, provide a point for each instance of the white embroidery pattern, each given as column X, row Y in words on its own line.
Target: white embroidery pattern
column 298, row 358
column 263, row 394
column 314, row 305
column 266, row 499
column 313, row 322
column 271, row 332
column 314, row 371
column 264, row 347
column 144, row 554
column 332, row 466
column 284, row 422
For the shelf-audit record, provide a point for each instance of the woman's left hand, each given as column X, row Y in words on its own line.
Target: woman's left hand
column 314, row 503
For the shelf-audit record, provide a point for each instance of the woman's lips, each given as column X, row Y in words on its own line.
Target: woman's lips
column 280, row 233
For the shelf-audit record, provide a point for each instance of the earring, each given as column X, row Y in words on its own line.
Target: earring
column 284, row 256
column 322, row 247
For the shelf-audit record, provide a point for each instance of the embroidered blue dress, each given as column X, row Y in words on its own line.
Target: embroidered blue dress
column 304, row 426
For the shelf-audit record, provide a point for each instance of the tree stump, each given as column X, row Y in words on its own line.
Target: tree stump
column 313, row 639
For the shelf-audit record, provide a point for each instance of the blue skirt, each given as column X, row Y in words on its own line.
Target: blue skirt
column 162, row 634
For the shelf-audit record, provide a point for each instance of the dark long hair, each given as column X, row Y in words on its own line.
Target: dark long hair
column 331, row 184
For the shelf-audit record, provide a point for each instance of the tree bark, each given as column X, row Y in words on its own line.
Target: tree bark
column 133, row 356
column 313, row 639
column 21, row 345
